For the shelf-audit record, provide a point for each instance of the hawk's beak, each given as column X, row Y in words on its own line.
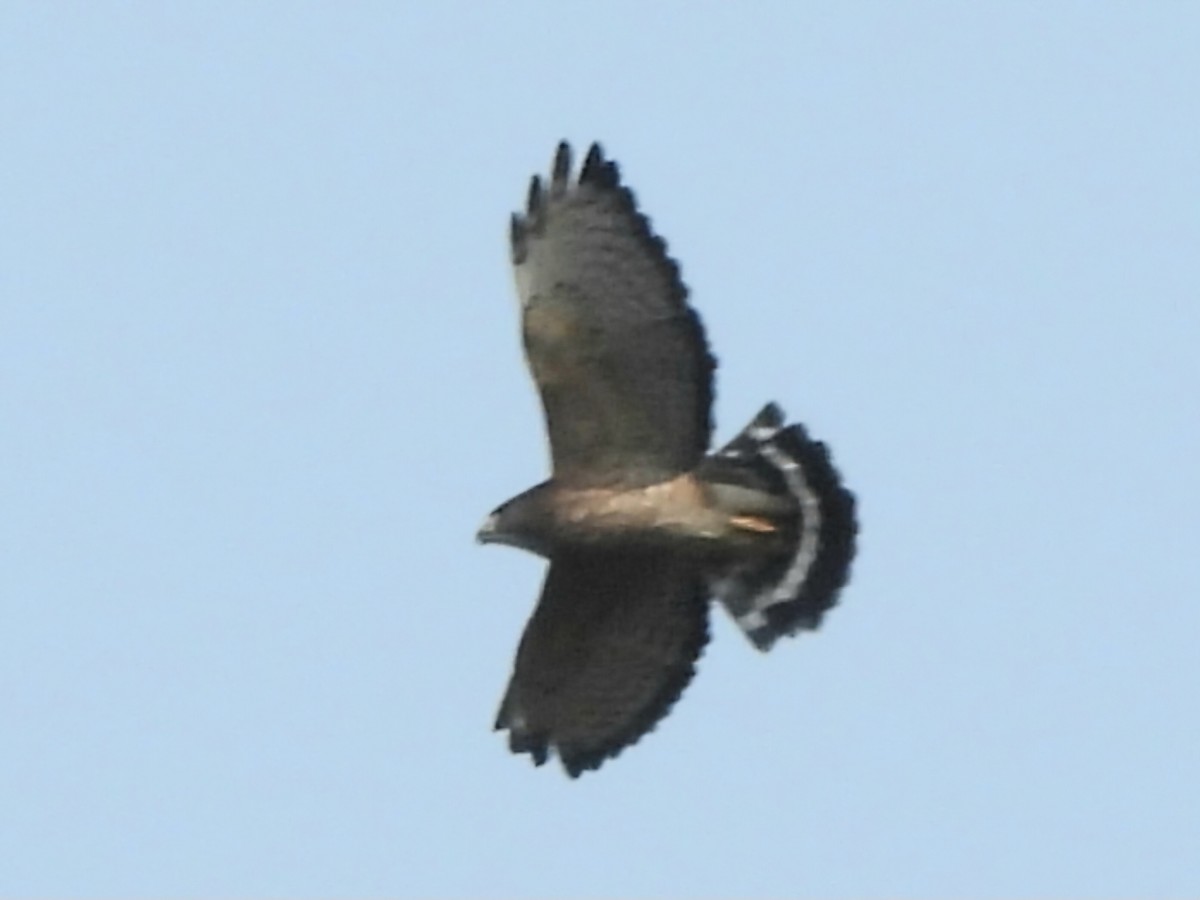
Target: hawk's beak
column 487, row 531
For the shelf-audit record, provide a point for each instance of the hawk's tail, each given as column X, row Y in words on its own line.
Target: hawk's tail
column 781, row 594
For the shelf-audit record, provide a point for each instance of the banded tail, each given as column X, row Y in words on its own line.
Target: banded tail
column 778, row 595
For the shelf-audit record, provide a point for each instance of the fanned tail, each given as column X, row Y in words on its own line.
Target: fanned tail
column 778, row 595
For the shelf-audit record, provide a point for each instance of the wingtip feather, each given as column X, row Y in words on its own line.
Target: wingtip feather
column 561, row 172
column 533, row 203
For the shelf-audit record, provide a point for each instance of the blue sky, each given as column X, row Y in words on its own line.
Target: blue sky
column 260, row 380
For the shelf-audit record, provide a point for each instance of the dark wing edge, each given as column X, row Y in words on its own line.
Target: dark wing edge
column 610, row 648
column 673, row 325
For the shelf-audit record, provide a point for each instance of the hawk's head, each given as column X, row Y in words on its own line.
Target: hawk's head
column 524, row 522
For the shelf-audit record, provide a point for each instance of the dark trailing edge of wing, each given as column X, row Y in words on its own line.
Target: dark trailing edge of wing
column 576, row 761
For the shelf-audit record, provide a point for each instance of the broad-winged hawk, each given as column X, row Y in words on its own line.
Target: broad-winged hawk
column 642, row 527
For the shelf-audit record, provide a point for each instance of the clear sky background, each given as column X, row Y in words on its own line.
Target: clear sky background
column 260, row 380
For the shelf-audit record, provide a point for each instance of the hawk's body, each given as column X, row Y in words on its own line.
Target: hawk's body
column 640, row 526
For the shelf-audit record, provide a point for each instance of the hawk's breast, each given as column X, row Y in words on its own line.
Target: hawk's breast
column 674, row 511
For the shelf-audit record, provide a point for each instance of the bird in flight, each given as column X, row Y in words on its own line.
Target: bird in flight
column 641, row 525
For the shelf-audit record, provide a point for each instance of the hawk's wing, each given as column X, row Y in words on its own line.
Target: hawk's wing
column 618, row 355
column 609, row 649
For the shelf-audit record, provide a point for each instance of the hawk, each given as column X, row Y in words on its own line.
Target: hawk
column 642, row 527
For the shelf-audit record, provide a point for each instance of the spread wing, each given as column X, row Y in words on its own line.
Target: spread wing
column 619, row 357
column 609, row 649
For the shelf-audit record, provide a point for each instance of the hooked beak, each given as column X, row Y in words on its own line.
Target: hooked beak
column 487, row 531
